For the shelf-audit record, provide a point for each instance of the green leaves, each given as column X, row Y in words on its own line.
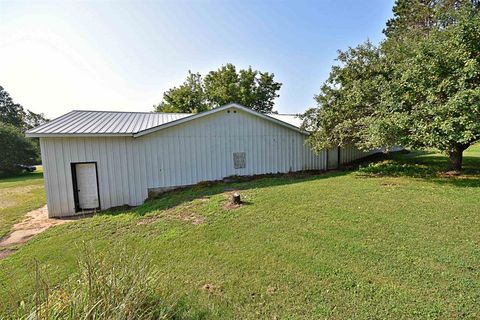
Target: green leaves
column 252, row 88
column 419, row 88
column 350, row 94
column 187, row 98
column 14, row 114
column 16, row 149
column 14, row 121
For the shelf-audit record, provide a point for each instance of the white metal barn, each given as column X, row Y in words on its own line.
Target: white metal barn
column 97, row 160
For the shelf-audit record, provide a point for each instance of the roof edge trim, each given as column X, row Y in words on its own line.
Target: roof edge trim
column 72, row 135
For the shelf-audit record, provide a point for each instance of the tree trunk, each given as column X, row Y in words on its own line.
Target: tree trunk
column 455, row 159
column 236, row 200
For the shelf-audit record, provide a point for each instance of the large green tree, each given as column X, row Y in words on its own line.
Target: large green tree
column 252, row 88
column 351, row 94
column 419, row 89
column 187, row 98
column 16, row 149
column 14, row 121
column 14, row 114
column 10, row 112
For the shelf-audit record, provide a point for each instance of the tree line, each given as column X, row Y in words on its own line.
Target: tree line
column 15, row 147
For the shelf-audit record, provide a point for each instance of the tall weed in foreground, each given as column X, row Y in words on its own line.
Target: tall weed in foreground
column 120, row 285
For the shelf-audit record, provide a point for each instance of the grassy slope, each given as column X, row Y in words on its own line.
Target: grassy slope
column 18, row 196
column 344, row 245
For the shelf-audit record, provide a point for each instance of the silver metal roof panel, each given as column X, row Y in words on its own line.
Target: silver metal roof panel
column 104, row 122
column 113, row 123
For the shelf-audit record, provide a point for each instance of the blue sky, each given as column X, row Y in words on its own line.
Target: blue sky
column 59, row 56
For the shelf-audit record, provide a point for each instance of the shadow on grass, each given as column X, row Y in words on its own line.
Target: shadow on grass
column 204, row 190
column 424, row 165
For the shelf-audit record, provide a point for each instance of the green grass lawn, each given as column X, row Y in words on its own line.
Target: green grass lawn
column 19, row 195
column 394, row 239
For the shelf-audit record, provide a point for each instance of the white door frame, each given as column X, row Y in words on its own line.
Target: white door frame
column 75, row 186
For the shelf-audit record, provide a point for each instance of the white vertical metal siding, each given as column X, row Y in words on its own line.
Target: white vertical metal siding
column 118, row 164
column 350, row 153
column 203, row 150
column 181, row 155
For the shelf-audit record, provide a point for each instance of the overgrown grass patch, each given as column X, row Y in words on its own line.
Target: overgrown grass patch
column 122, row 285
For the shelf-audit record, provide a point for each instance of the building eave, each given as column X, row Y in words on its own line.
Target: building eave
column 76, row 135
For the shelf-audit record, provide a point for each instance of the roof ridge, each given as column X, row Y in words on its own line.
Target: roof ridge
column 154, row 112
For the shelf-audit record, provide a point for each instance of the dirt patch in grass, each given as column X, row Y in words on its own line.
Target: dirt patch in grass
column 5, row 202
column 187, row 214
column 271, row 290
column 389, row 184
column 35, row 222
column 149, row 220
column 192, row 217
column 449, row 174
column 6, row 253
column 210, row 288
column 228, row 205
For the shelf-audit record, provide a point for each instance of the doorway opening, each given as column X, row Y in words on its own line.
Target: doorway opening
column 86, row 192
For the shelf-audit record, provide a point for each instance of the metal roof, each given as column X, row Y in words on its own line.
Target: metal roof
column 292, row 119
column 104, row 123
column 115, row 123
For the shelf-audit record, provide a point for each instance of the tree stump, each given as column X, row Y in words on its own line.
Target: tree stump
column 236, row 199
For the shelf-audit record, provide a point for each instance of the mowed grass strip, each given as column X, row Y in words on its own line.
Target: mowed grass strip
column 391, row 240
column 19, row 195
